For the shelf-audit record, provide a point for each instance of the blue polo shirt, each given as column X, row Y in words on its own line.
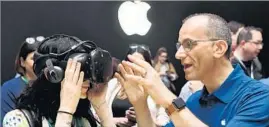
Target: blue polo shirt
column 10, row 90
column 239, row 102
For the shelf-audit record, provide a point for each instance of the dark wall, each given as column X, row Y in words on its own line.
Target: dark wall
column 98, row 21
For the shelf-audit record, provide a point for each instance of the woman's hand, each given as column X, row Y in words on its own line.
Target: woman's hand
column 71, row 87
column 97, row 95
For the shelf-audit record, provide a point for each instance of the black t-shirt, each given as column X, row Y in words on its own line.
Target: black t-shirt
column 119, row 107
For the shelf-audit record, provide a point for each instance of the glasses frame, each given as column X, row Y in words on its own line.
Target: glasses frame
column 191, row 43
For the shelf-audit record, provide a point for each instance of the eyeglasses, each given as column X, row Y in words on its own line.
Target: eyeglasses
column 32, row 40
column 257, row 43
column 188, row 45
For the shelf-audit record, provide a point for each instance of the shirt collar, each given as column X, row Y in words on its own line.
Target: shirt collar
column 229, row 87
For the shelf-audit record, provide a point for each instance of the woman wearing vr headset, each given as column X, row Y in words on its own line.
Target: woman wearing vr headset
column 71, row 78
column 12, row 88
column 122, row 103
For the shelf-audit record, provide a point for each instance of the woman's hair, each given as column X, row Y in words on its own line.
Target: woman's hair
column 43, row 97
column 158, row 53
column 28, row 46
column 142, row 49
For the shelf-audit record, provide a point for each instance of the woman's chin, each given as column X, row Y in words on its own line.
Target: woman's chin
column 83, row 96
column 83, row 93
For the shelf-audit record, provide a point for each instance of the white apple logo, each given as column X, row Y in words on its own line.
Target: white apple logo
column 133, row 17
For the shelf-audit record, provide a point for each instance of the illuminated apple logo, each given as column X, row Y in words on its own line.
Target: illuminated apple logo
column 133, row 17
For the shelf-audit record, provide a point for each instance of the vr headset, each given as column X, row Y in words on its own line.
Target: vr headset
column 95, row 62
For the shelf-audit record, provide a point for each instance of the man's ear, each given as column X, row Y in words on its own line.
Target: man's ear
column 219, row 49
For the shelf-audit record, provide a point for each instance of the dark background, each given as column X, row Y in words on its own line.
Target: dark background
column 98, row 21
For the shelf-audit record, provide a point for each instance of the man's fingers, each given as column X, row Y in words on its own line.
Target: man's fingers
column 137, row 69
column 122, row 70
column 138, row 61
column 137, row 79
column 127, row 68
column 120, row 79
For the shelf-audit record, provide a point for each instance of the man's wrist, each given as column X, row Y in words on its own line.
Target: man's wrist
column 168, row 101
column 176, row 105
column 141, row 103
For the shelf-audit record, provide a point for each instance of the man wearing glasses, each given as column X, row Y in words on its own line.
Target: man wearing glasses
column 249, row 46
column 229, row 98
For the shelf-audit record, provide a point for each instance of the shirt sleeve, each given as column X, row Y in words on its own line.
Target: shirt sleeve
column 170, row 124
column 185, row 92
column 15, row 118
column 7, row 100
column 254, row 111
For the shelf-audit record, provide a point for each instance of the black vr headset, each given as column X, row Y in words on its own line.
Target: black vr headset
column 95, row 62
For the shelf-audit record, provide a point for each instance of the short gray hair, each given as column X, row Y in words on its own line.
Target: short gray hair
column 217, row 28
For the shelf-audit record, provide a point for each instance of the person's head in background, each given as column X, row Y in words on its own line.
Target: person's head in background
column 24, row 59
column 161, row 56
column 235, row 28
column 203, row 47
column 142, row 51
column 249, row 43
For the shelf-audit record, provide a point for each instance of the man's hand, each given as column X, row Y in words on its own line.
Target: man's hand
column 134, row 92
column 149, row 79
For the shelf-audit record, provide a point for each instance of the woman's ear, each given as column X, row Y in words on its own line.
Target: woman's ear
column 220, row 48
column 22, row 62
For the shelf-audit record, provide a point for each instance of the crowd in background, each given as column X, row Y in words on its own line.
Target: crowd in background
column 247, row 42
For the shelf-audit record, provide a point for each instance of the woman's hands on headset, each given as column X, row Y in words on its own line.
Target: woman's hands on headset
column 71, row 87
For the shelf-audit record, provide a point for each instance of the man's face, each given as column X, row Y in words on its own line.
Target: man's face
column 199, row 60
column 253, row 47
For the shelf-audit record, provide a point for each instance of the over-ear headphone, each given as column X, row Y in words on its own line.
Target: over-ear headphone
column 96, row 62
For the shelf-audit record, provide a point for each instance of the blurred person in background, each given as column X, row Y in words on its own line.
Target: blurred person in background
column 246, row 54
column 165, row 68
column 12, row 88
column 235, row 28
